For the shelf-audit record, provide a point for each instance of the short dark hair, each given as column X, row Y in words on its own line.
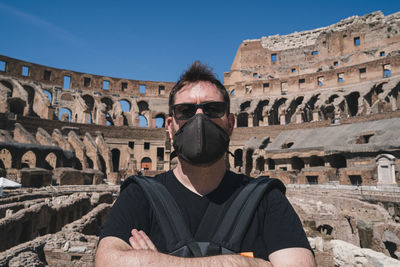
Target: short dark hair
column 198, row 72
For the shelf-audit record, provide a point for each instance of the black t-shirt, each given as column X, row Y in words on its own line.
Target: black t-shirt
column 275, row 224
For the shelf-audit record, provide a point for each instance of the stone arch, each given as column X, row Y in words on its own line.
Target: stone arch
column 332, row 98
column 297, row 163
column 143, row 106
column 108, row 102
column 245, row 106
column 16, row 105
column 64, row 114
column 260, row 163
column 160, row 120
column 292, row 108
column 145, row 164
column 395, row 93
column 309, row 108
column 9, row 86
column 238, row 162
column 31, row 98
column 337, row 161
column 372, row 96
column 49, row 95
column 51, row 161
column 125, row 105
column 273, row 118
column 28, row 160
column 89, row 101
column 242, row 119
column 352, row 102
column 258, row 112
column 5, row 159
column 316, row 161
column 115, row 159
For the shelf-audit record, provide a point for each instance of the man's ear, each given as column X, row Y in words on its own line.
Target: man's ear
column 169, row 125
column 231, row 122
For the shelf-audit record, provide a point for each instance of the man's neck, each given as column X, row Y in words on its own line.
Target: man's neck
column 200, row 180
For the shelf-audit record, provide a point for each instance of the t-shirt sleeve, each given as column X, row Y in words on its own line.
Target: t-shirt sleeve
column 129, row 211
column 282, row 226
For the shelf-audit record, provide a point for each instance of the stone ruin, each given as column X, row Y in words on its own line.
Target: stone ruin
column 318, row 109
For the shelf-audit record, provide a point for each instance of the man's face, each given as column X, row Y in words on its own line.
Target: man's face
column 197, row 93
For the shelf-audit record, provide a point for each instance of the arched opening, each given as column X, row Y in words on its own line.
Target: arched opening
column 337, row 161
column 51, row 161
column 146, row 163
column 309, row 108
column 258, row 112
column 109, row 120
column 31, row 97
column 249, row 160
column 238, row 162
column 297, row 163
column 352, row 103
column 89, row 101
column 9, row 86
column 16, row 106
column 392, row 248
column 115, row 159
column 125, row 105
column 49, row 95
column 316, row 161
column 271, row 164
column 6, row 159
column 77, row 164
column 260, row 162
column 160, row 121
column 273, row 118
column 28, row 160
column 292, row 108
column 244, row 106
column 143, row 106
column 89, row 162
column 242, row 119
column 108, row 102
column 64, row 114
column 142, row 121
column 103, row 168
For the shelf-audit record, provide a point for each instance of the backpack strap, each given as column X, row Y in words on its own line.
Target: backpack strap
column 237, row 219
column 168, row 214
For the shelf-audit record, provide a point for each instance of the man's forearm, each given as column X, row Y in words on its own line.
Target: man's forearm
column 148, row 257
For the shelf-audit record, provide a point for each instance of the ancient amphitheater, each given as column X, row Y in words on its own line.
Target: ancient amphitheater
column 318, row 109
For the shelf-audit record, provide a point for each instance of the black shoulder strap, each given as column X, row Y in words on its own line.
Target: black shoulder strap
column 236, row 221
column 168, row 214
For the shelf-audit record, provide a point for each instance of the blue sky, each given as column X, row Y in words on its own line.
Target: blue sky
column 156, row 40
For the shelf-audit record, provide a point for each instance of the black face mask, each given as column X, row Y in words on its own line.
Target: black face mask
column 200, row 141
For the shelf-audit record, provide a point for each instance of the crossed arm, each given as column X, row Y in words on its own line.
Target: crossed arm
column 113, row 251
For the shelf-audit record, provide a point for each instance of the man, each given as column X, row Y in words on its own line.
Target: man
column 200, row 126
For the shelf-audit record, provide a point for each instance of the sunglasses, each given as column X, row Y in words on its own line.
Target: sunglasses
column 185, row 111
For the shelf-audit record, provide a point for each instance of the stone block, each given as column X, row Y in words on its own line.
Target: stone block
column 114, row 178
column 70, row 176
column 34, row 177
